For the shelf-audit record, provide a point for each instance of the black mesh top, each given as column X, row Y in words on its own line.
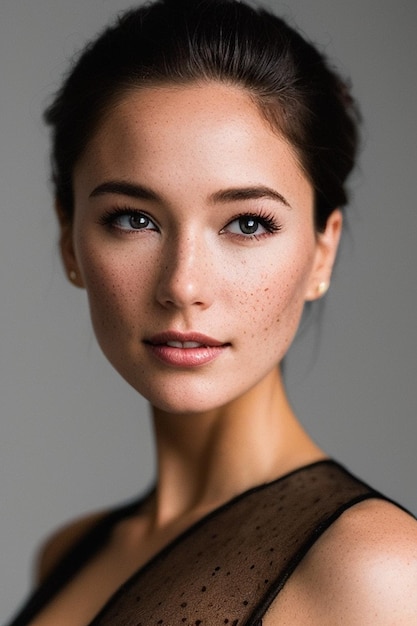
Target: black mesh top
column 227, row 568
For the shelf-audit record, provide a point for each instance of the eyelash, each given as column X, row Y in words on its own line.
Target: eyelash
column 109, row 218
column 264, row 219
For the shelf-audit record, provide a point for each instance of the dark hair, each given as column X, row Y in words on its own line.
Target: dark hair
column 187, row 40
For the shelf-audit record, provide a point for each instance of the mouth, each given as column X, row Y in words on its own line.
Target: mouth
column 185, row 350
column 184, row 340
column 185, row 344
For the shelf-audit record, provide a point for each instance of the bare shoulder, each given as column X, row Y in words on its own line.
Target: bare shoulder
column 61, row 541
column 363, row 570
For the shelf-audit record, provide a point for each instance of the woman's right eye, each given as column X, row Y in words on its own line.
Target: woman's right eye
column 128, row 220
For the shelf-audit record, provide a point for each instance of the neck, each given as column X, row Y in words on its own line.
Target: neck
column 206, row 459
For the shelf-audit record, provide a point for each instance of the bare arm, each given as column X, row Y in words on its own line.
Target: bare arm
column 60, row 543
column 363, row 571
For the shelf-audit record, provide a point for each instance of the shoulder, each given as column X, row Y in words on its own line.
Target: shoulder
column 61, row 542
column 370, row 564
column 363, row 570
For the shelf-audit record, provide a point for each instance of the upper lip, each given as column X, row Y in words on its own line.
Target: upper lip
column 170, row 335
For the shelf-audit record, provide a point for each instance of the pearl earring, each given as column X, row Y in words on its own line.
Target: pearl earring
column 322, row 287
column 73, row 275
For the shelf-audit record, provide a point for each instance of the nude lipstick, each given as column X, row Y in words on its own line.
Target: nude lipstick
column 185, row 349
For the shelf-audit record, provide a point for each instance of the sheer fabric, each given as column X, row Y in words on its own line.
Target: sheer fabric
column 230, row 566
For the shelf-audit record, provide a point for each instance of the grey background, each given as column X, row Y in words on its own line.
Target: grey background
column 74, row 436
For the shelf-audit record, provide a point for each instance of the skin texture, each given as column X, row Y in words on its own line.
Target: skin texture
column 174, row 254
column 362, row 571
column 195, row 271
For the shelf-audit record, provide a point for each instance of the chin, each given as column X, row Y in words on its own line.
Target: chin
column 184, row 404
column 186, row 397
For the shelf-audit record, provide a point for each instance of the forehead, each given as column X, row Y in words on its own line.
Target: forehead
column 187, row 109
column 211, row 132
column 191, row 108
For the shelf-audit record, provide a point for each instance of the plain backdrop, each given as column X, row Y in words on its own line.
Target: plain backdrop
column 74, row 436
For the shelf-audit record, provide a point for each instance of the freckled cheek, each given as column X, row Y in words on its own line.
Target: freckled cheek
column 118, row 291
column 272, row 303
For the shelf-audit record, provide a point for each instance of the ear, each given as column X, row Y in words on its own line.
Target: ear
column 66, row 244
column 327, row 243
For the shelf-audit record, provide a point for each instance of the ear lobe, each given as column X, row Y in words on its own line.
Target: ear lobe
column 327, row 243
column 66, row 244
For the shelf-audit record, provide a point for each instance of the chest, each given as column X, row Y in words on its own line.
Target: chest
column 226, row 569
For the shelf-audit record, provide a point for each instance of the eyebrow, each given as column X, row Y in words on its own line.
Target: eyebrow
column 234, row 194
column 249, row 193
column 124, row 189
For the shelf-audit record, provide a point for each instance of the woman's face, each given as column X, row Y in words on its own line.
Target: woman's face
column 193, row 236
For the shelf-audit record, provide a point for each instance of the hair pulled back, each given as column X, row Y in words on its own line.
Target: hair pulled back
column 180, row 41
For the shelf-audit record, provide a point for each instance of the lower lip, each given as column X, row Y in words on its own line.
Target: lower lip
column 185, row 357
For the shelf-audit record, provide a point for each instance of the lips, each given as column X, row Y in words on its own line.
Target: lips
column 184, row 344
column 184, row 340
column 185, row 349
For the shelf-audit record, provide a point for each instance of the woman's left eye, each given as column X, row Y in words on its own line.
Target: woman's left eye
column 252, row 225
column 128, row 220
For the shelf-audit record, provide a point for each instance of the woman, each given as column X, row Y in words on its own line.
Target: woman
column 200, row 157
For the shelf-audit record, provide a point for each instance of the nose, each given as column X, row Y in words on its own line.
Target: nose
column 185, row 278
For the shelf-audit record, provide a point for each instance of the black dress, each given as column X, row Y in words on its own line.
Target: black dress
column 227, row 568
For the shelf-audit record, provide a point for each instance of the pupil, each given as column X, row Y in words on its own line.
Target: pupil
column 138, row 221
column 248, row 225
